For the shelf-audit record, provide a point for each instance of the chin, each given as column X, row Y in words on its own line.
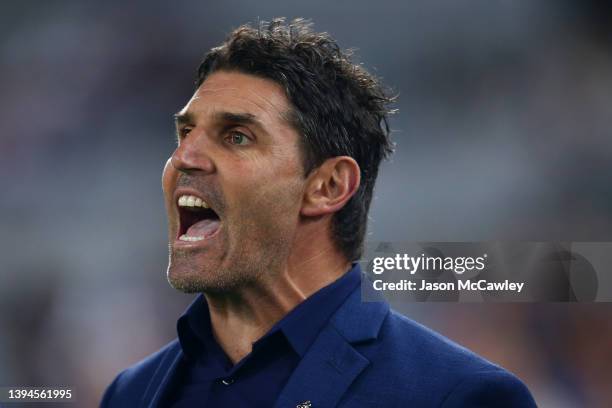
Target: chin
column 187, row 280
column 182, row 284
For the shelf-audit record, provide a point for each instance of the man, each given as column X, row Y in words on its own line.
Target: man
column 267, row 195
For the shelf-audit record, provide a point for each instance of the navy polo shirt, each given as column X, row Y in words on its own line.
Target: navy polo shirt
column 207, row 377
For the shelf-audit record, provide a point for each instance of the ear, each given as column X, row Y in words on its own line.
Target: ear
column 330, row 186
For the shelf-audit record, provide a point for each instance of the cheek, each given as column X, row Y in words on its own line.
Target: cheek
column 277, row 202
column 265, row 191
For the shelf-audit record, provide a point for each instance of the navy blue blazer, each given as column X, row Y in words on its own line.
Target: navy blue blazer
column 366, row 356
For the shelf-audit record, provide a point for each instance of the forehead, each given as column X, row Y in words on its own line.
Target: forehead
column 238, row 92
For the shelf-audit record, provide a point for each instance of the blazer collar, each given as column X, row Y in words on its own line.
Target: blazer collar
column 357, row 320
column 333, row 362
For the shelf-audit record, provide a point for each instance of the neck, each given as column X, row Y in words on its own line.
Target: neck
column 239, row 319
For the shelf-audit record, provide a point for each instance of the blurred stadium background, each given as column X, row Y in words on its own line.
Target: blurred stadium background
column 503, row 133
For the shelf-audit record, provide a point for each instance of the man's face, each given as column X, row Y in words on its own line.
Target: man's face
column 237, row 154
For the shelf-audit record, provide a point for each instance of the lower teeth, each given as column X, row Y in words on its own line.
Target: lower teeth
column 189, row 238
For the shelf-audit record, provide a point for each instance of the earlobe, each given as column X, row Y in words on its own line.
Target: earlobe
column 330, row 186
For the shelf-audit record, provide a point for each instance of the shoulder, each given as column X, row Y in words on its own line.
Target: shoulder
column 132, row 384
column 413, row 341
column 411, row 363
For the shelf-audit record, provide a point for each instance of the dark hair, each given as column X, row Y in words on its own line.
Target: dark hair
column 337, row 106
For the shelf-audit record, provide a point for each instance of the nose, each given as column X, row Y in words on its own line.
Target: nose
column 193, row 154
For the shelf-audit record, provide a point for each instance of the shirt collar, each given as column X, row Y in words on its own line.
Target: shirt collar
column 300, row 326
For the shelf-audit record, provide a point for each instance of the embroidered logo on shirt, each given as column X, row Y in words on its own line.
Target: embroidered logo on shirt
column 305, row 404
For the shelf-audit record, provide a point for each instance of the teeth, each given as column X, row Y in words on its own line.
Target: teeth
column 192, row 201
column 189, row 238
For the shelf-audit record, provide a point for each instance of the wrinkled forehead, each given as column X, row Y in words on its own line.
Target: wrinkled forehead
column 233, row 91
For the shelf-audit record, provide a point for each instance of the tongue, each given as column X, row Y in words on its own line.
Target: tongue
column 203, row 228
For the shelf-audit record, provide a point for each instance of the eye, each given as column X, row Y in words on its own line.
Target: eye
column 182, row 132
column 238, row 138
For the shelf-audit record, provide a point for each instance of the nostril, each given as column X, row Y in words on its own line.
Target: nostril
column 191, row 159
column 180, row 162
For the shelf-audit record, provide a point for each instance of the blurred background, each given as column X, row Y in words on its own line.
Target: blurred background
column 503, row 133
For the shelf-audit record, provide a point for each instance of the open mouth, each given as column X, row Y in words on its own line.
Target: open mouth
column 197, row 220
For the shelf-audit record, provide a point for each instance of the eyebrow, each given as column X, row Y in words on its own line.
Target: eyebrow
column 182, row 118
column 241, row 118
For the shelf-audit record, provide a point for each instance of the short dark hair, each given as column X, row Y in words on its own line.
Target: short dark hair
column 337, row 106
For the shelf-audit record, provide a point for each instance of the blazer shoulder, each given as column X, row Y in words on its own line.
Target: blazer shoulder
column 431, row 348
column 411, row 362
column 131, row 384
column 486, row 388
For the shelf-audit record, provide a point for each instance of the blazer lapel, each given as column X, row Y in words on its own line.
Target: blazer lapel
column 163, row 377
column 328, row 368
column 332, row 363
